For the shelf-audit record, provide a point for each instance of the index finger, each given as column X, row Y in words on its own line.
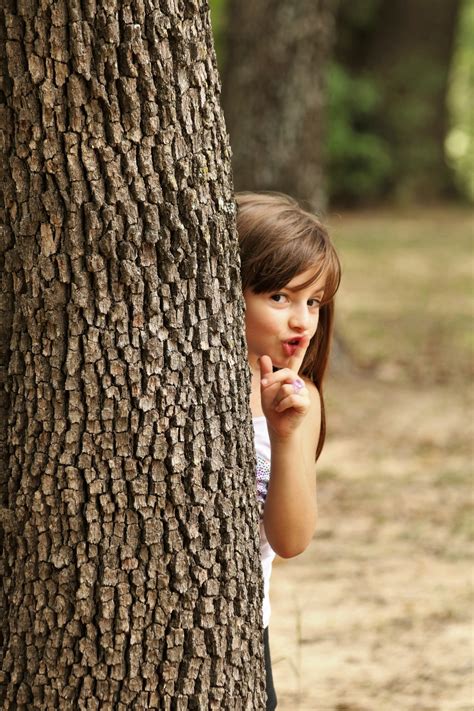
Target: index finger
column 266, row 366
column 296, row 360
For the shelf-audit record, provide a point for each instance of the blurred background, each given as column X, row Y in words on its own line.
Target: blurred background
column 364, row 110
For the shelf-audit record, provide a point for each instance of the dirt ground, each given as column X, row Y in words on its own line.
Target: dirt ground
column 377, row 614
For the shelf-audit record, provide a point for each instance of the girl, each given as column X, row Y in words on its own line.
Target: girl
column 290, row 273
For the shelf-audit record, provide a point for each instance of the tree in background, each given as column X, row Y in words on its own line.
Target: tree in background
column 460, row 139
column 131, row 573
column 388, row 99
column 386, row 91
column 273, row 95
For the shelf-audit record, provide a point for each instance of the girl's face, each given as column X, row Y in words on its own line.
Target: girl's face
column 275, row 322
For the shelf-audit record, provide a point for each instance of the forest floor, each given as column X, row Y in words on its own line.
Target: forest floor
column 377, row 614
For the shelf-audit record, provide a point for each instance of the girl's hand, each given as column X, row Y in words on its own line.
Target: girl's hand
column 285, row 397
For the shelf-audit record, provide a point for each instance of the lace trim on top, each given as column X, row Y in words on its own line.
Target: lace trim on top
column 263, row 477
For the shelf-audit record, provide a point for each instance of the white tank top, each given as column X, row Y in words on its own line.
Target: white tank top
column 267, row 554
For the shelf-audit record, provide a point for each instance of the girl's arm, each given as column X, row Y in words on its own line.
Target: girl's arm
column 293, row 420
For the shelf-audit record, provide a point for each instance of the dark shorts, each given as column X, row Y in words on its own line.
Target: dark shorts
column 271, row 695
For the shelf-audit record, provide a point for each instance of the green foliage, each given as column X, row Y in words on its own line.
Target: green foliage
column 361, row 164
column 358, row 160
column 460, row 138
column 218, row 18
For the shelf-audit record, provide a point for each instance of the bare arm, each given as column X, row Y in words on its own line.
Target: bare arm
column 293, row 421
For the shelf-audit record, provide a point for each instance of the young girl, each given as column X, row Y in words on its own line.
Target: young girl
column 290, row 273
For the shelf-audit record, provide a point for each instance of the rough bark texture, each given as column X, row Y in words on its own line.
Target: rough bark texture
column 273, row 94
column 131, row 566
column 6, row 306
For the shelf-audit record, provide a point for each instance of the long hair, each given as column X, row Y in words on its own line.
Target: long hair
column 279, row 240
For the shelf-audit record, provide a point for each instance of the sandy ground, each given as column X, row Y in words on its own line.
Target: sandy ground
column 377, row 614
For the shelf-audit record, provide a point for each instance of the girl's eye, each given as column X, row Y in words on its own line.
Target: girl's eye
column 314, row 303
column 278, row 298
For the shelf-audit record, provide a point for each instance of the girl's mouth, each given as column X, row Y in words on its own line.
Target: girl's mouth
column 290, row 346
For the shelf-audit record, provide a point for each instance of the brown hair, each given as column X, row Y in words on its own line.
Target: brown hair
column 279, row 240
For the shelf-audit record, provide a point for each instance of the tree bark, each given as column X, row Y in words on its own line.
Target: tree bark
column 6, row 313
column 273, row 94
column 131, row 564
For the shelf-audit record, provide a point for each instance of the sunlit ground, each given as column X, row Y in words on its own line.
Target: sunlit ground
column 377, row 614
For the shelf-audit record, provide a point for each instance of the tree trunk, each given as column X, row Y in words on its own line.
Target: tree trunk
column 131, row 562
column 6, row 314
column 273, row 94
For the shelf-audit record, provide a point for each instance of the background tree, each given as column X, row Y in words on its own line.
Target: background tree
column 386, row 88
column 130, row 560
column 273, row 97
column 388, row 108
column 460, row 139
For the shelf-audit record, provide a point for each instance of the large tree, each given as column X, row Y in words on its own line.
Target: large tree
column 273, row 94
column 131, row 575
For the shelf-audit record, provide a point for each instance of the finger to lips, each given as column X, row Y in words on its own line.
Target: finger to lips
column 296, row 359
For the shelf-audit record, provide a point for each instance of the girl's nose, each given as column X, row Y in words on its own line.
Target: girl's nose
column 299, row 318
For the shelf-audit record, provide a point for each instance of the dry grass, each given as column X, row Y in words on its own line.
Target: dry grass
column 407, row 294
column 377, row 614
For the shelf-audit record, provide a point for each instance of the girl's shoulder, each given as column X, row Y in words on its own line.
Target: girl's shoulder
column 314, row 414
column 312, row 389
